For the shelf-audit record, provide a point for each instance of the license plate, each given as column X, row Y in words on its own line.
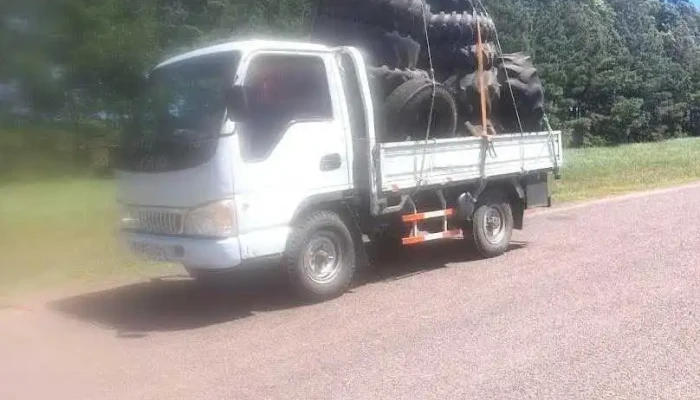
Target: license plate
column 150, row 251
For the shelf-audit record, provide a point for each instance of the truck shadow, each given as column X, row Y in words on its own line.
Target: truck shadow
column 420, row 260
column 178, row 303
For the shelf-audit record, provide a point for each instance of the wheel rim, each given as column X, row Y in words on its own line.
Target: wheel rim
column 494, row 229
column 322, row 258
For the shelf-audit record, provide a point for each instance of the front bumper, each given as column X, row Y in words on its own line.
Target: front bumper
column 210, row 254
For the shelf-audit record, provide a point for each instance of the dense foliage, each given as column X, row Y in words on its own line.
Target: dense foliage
column 615, row 71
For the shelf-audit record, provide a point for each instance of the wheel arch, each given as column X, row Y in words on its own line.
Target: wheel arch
column 515, row 193
column 341, row 203
column 511, row 188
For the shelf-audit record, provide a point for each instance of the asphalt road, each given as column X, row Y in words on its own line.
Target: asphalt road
column 595, row 301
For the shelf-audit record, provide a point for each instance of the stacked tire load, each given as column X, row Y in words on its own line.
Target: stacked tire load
column 396, row 36
column 521, row 91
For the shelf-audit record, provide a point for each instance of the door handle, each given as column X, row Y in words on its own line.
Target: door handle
column 331, row 162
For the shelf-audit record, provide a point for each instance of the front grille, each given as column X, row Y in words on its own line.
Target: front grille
column 163, row 222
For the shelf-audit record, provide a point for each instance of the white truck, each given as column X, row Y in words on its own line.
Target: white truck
column 257, row 152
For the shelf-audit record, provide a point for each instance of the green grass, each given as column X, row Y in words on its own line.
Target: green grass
column 32, row 150
column 598, row 172
column 60, row 232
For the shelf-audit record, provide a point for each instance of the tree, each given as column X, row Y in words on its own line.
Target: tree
column 614, row 70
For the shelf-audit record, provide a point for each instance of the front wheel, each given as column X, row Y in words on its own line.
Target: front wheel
column 492, row 224
column 320, row 257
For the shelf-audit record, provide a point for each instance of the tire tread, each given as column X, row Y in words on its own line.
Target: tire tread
column 290, row 259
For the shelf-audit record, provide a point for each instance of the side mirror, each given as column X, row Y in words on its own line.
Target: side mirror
column 237, row 103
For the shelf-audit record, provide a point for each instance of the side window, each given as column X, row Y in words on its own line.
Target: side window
column 282, row 89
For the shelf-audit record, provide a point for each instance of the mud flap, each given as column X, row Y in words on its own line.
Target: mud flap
column 538, row 191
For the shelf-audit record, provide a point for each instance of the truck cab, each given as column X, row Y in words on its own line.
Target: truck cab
column 201, row 189
column 261, row 151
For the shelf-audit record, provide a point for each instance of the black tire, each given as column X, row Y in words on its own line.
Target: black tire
column 461, row 28
column 407, row 111
column 451, row 60
column 466, row 93
column 406, row 50
column 516, row 71
column 341, row 32
column 409, row 17
column 406, row 16
column 467, row 58
column 491, row 243
column 325, row 229
column 381, row 47
column 459, row 6
column 388, row 79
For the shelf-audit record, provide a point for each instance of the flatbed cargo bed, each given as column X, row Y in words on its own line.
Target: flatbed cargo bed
column 403, row 166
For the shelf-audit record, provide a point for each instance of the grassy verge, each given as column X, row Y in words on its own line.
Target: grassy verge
column 31, row 150
column 60, row 232
column 597, row 172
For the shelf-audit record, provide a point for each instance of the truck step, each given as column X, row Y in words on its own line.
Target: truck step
column 426, row 237
column 420, row 236
column 428, row 215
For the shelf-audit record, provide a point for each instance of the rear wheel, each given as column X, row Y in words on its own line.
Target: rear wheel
column 492, row 224
column 320, row 257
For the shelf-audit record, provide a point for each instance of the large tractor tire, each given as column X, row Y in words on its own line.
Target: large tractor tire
column 459, row 6
column 381, row 47
column 339, row 32
column 451, row 60
column 410, row 17
column 406, row 16
column 517, row 73
column 387, row 79
column 407, row 111
column 466, row 92
column 460, row 28
column 405, row 50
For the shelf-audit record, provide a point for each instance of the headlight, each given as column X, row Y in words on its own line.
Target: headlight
column 213, row 220
column 128, row 219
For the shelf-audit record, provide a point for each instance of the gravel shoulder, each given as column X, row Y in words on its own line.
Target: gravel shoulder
column 595, row 300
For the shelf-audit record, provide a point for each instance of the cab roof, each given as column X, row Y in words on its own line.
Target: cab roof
column 247, row 46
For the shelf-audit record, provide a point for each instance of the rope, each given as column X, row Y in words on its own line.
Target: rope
column 550, row 141
column 432, row 99
column 550, row 136
column 486, row 144
column 500, row 52
column 510, row 88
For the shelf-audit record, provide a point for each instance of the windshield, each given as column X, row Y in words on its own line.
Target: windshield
column 188, row 96
column 180, row 113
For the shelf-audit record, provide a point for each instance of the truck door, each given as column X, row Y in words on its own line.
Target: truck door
column 292, row 148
